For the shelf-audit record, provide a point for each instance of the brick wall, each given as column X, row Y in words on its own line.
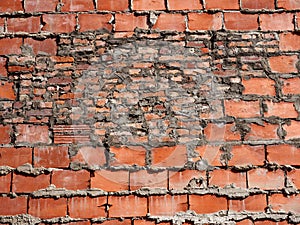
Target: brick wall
column 143, row 112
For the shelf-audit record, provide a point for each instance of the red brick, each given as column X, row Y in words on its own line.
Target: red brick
column 257, row 4
column 291, row 86
column 40, row 6
column 259, row 86
column 281, row 109
column 112, row 5
column 278, row 202
column 293, row 176
column 110, row 180
column 5, row 132
column 264, row 179
column 71, row 180
column 5, row 181
column 293, row 130
column 10, row 46
column 266, row 131
column 283, row 21
column 94, row 22
column 181, row 179
column 212, row 154
column 29, row 25
column 143, row 222
column 90, row 156
column 47, row 208
column 15, row 157
column 77, row 5
column 255, row 203
column 7, row 91
column 40, row 47
column 86, row 207
column 167, row 205
column 127, row 206
column 288, row 4
column 289, row 42
column 204, row 204
column 270, row 222
column 13, row 206
column 243, row 155
column 131, row 155
column 32, row 134
column 276, row 152
column 2, row 24
column 169, row 156
column 204, row 21
column 221, row 132
column 27, row 184
column 59, row 23
column 239, row 21
column 149, row 5
column 224, row 178
column 184, row 5
column 242, row 109
column 128, row 22
column 245, row 222
column 174, row 22
column 51, row 156
column 144, row 178
column 3, row 71
column 116, row 222
column 11, row 6
column 222, row 4
column 283, row 64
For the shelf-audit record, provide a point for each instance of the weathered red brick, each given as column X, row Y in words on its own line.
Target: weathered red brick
column 212, row 154
column 116, row 222
column 51, row 156
column 32, row 134
column 174, row 22
column 5, row 181
column 264, row 179
column 28, row 184
column 10, row 46
column 242, row 109
column 144, row 178
column 40, row 47
column 224, row 178
column 15, row 157
column 289, row 41
column 7, row 91
column 283, row 63
column 29, row 25
column 288, row 4
column 257, row 4
column 283, row 21
column 184, row 5
column 239, row 21
column 204, row 21
column 94, row 22
column 3, row 71
column 128, row 22
column 255, row 203
column 293, row 177
column 221, row 132
column 281, row 109
column 71, row 180
column 278, row 202
column 204, row 204
column 131, row 155
column 5, row 131
column 243, row 155
column 131, row 206
column 47, row 208
column 292, row 129
column 270, row 222
column 266, row 131
column 180, row 179
column 167, row 205
column 40, row 6
column 59, row 23
column 169, row 156
column 11, row 6
column 112, row 5
column 291, row 86
column 90, row 156
column 244, row 222
column 291, row 154
column 222, row 4
column 149, row 5
column 77, row 5
column 87, row 207
column 259, row 86
column 13, row 206
column 110, row 180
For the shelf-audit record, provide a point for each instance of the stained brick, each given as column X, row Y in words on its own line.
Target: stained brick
column 110, row 180
column 167, row 205
column 267, row 180
column 144, row 178
column 77, row 5
column 7, row 91
column 59, row 23
column 10, row 46
column 5, row 181
column 27, row 184
column 94, row 22
column 5, row 132
column 32, row 134
column 242, row 109
column 281, row 109
column 204, row 21
column 291, row 154
column 257, row 4
column 42, row 46
column 175, row 22
column 15, row 157
column 148, row 5
column 87, row 207
column 13, row 206
column 184, row 5
column 203, row 204
column 221, row 132
column 40, row 6
column 112, row 5
column 243, row 155
column 292, row 130
column 11, row 6
column 259, row 86
column 289, row 42
column 278, row 202
column 291, row 86
column 293, row 177
column 71, row 180
column 90, row 156
column 222, row 4
column 224, row 178
column 169, row 156
column 255, row 203
column 47, row 208
column 51, row 156
column 283, row 64
column 288, row 4
column 264, row 131
column 283, row 21
column 131, row 155
column 129, row 22
column 179, row 180
column 30, row 24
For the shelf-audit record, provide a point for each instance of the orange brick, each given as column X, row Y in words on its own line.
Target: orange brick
column 291, row 154
column 254, row 203
column 143, row 178
column 131, row 155
column 87, row 207
column 283, row 21
column 47, row 208
column 5, row 132
column 243, row 155
column 112, row 5
column 51, row 156
column 259, row 86
column 184, row 5
column 204, row 21
column 224, row 178
column 167, row 205
column 204, row 204
column 71, row 180
column 174, row 22
column 59, row 23
column 149, row 5
column 77, row 5
column 281, row 109
column 289, row 42
column 257, row 4
column 3, row 71
column 11, row 6
column 13, row 206
column 94, row 22
column 10, row 45
column 40, row 6
column 211, row 154
column 116, row 222
column 222, row 4
column 27, row 184
column 32, row 134
column 15, row 157
column 242, row 109
column 292, row 129
column 127, row 206
column 7, row 91
column 90, row 156
column 288, row 4
column 283, row 64
column 291, row 86
column 266, row 131
column 264, row 179
column 110, row 180
column 169, row 156
column 278, row 202
column 181, row 179
column 245, row 222
column 128, row 22
column 239, row 21
column 294, row 177
column 221, row 132
column 5, row 181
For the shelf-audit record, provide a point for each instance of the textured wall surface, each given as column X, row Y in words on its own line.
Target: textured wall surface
column 144, row 112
